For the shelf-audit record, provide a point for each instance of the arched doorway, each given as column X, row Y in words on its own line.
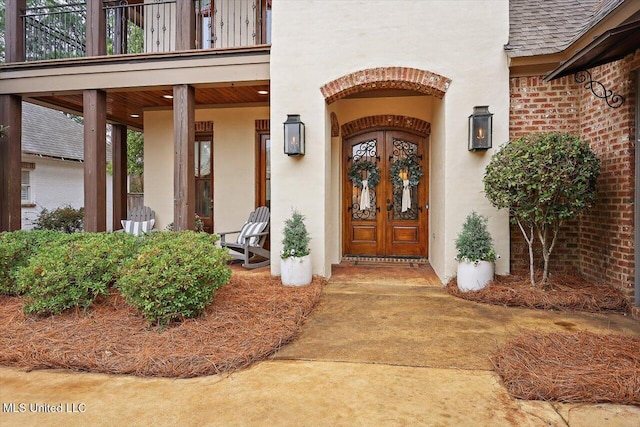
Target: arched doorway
column 394, row 220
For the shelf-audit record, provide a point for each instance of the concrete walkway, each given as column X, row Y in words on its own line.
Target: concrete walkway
column 387, row 346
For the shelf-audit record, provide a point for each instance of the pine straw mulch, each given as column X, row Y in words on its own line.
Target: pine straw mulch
column 249, row 319
column 562, row 292
column 578, row 367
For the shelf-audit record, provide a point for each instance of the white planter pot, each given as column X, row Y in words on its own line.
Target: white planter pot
column 295, row 271
column 474, row 276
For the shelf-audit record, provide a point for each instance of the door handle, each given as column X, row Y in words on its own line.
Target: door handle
column 390, row 207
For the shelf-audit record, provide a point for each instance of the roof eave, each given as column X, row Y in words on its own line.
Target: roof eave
column 610, row 46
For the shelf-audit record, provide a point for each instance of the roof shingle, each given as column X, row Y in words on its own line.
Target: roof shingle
column 51, row 133
column 550, row 26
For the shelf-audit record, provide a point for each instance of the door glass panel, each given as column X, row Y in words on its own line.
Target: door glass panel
column 202, row 161
column 203, row 198
column 405, row 195
column 205, row 159
column 363, row 152
column 196, row 158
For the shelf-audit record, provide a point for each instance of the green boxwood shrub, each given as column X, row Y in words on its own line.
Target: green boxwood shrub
column 15, row 250
column 72, row 272
column 174, row 275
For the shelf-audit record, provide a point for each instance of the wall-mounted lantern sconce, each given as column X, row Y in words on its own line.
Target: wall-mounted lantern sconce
column 293, row 136
column 480, row 128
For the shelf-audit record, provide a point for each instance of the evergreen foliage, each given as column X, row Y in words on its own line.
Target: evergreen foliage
column 65, row 219
column 543, row 180
column 16, row 248
column 474, row 243
column 296, row 238
column 174, row 275
column 73, row 271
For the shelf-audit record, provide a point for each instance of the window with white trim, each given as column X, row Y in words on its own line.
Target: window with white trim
column 25, row 194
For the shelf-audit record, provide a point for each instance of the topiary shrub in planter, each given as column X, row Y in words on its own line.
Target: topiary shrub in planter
column 65, row 219
column 174, row 275
column 295, row 262
column 73, row 271
column 16, row 248
column 476, row 255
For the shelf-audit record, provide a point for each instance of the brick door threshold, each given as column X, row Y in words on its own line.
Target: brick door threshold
column 389, row 261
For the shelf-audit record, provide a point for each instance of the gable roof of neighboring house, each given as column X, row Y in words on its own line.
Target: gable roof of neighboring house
column 50, row 133
column 550, row 26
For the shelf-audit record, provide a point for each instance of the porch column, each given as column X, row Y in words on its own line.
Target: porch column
column 95, row 160
column 14, row 31
column 183, row 142
column 119, row 158
column 10, row 158
column 96, row 28
column 185, row 25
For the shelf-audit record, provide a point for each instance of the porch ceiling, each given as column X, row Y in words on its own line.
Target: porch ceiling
column 122, row 104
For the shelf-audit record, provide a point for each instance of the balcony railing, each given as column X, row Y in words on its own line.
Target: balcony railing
column 231, row 23
column 141, row 28
column 144, row 27
column 55, row 31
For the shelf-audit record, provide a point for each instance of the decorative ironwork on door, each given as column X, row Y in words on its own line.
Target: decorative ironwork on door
column 365, row 151
column 405, row 177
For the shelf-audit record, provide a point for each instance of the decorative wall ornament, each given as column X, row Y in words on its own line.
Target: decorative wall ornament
column 613, row 100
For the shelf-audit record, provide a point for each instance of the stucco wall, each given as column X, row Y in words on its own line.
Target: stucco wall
column 315, row 42
column 56, row 183
column 234, row 145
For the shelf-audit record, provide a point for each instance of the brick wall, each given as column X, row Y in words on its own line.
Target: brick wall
column 599, row 244
column 538, row 106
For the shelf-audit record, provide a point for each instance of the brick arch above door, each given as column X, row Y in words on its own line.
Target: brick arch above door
column 422, row 81
column 412, row 124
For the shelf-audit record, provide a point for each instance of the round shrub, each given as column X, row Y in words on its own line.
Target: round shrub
column 543, row 180
column 66, row 219
column 72, row 272
column 174, row 275
column 16, row 248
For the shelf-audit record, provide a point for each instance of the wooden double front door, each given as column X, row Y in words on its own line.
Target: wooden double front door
column 393, row 222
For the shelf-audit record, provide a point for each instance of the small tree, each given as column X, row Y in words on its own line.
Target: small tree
column 544, row 180
column 296, row 237
column 474, row 242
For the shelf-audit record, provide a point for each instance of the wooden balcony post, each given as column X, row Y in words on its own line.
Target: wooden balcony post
column 10, row 158
column 95, row 160
column 119, row 158
column 96, row 28
column 14, row 31
column 183, row 141
column 185, row 25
